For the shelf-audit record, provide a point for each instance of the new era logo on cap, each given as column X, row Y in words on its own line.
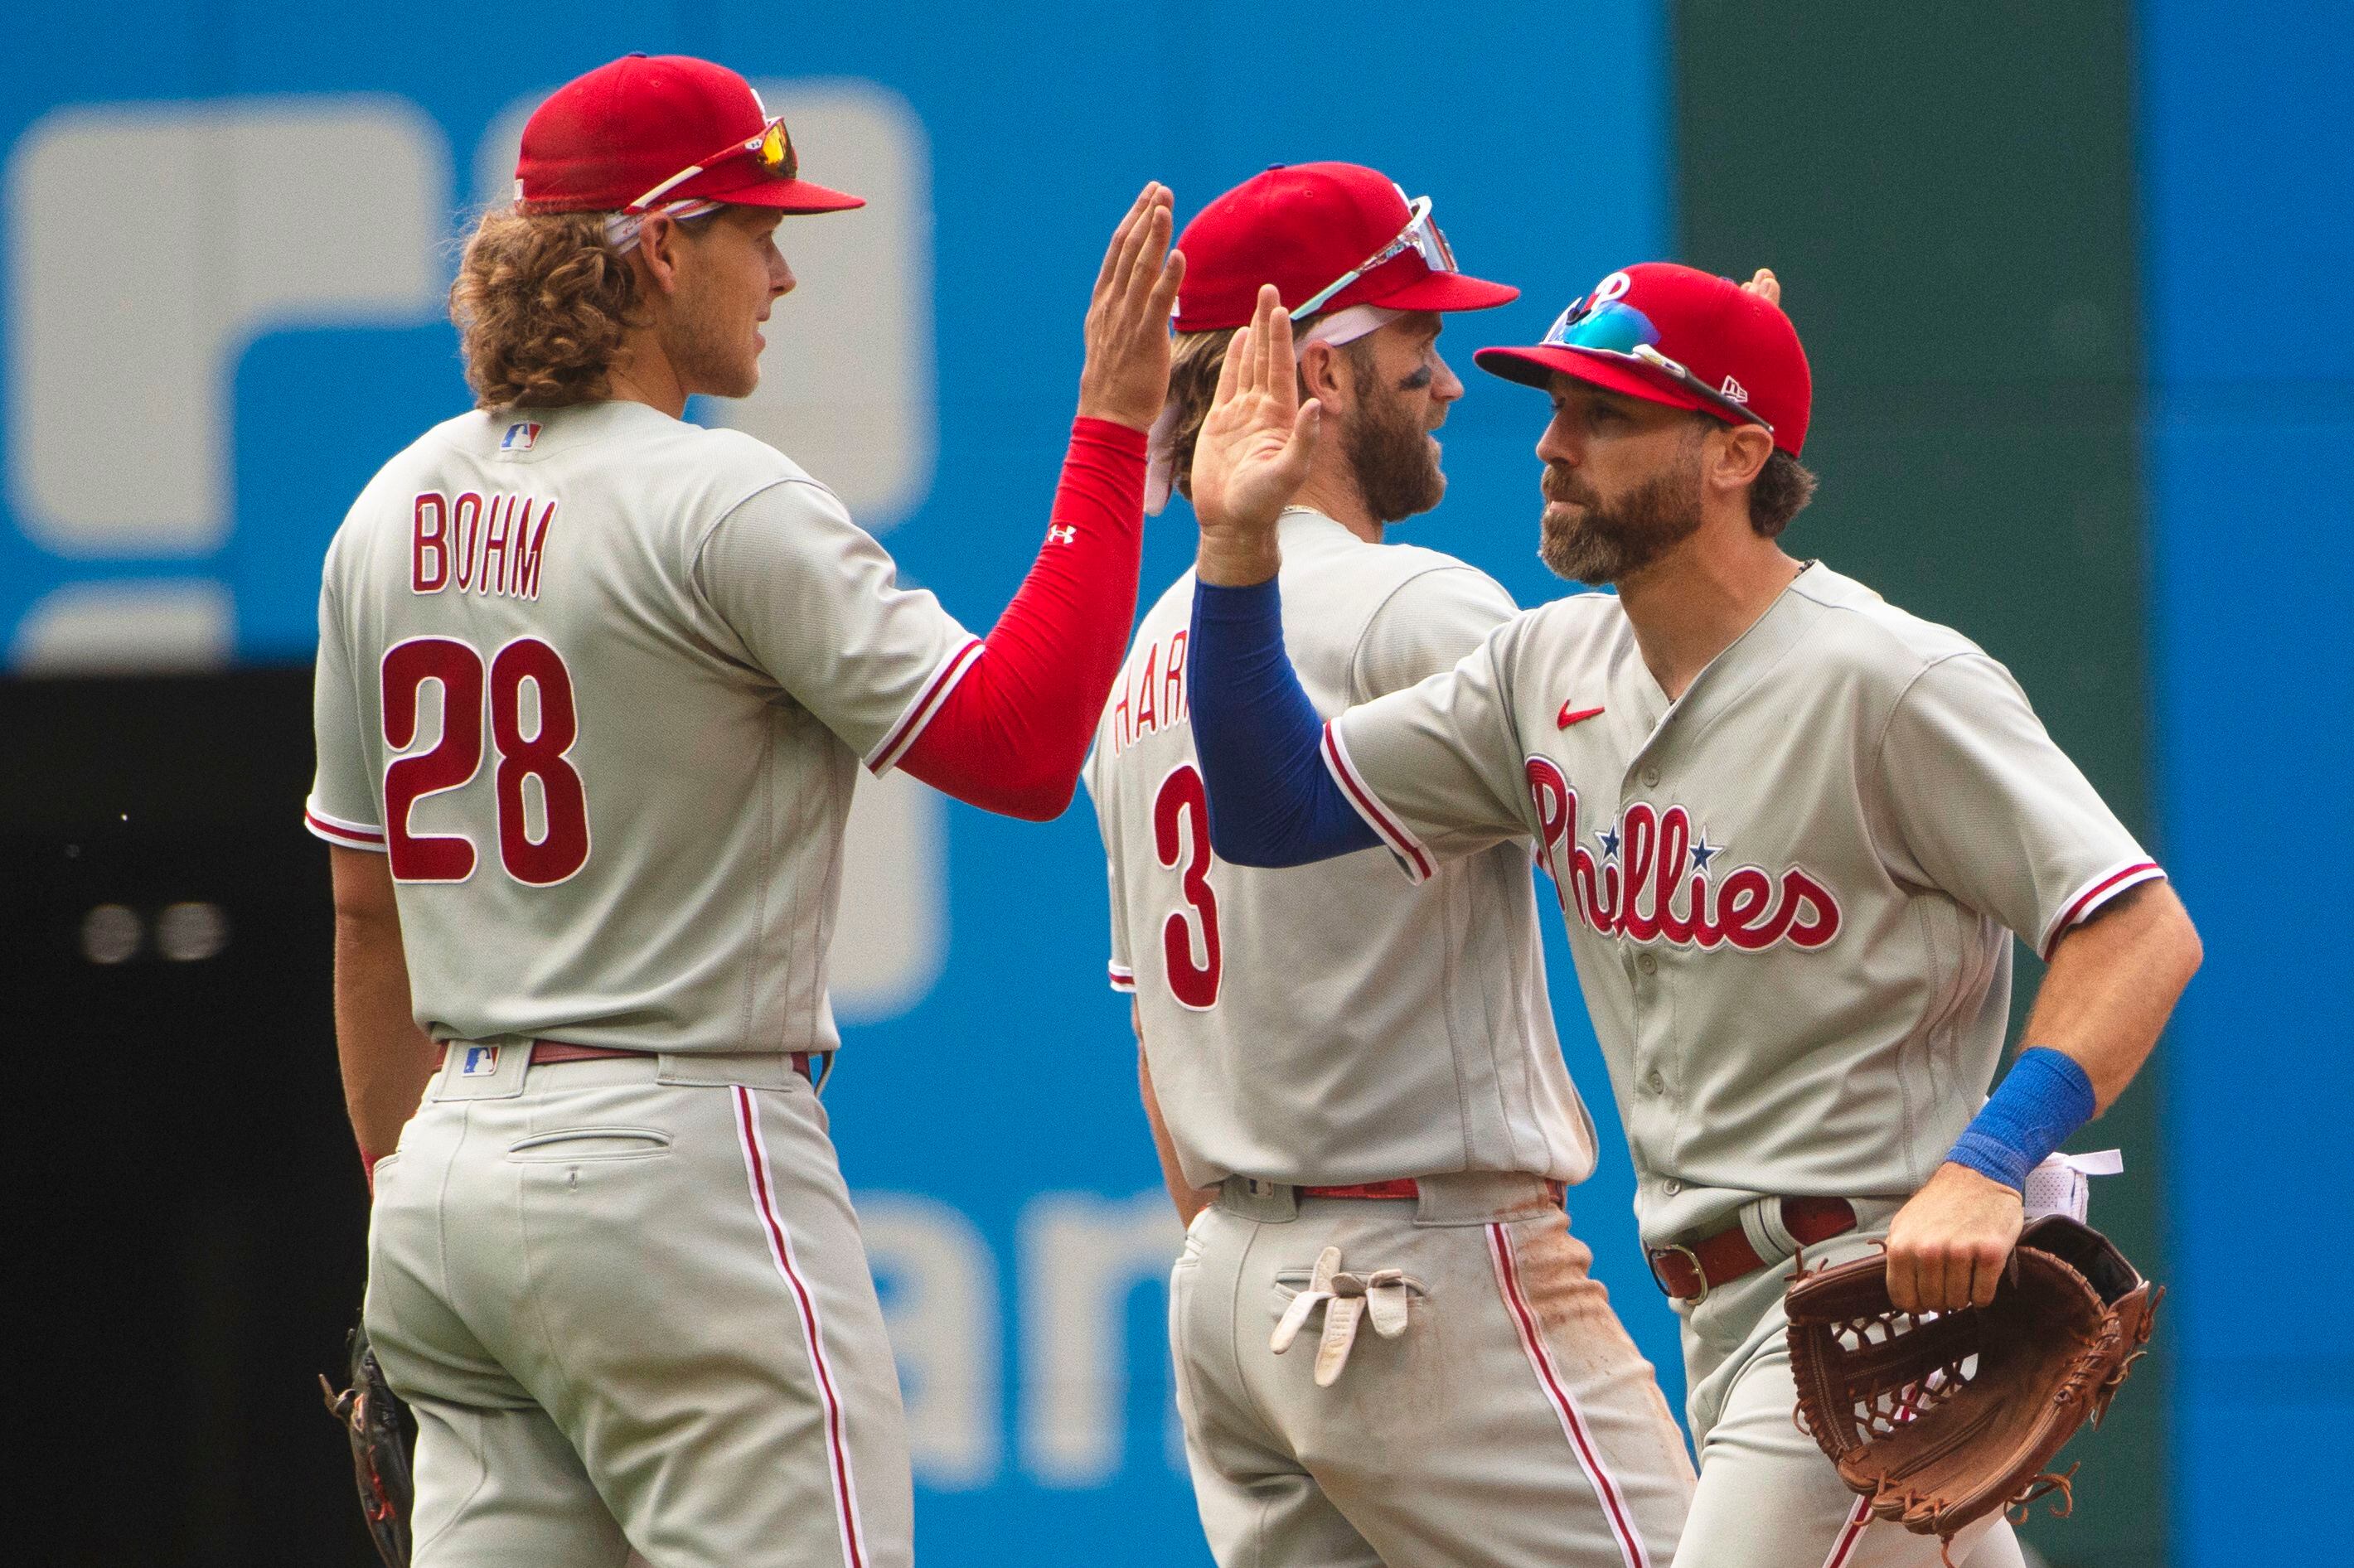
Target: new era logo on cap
column 1735, row 390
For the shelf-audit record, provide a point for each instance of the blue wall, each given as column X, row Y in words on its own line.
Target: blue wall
column 2248, row 220
column 997, row 1106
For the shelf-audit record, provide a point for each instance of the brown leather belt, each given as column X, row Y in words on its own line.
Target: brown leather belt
column 808, row 1063
column 1402, row 1187
column 1690, row 1273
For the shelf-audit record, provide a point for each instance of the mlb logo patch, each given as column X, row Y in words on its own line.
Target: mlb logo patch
column 480, row 1061
column 519, row 437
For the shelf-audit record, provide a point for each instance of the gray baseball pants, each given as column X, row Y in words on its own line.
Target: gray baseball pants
column 628, row 1302
column 1511, row 1423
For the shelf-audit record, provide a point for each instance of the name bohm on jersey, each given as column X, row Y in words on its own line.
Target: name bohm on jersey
column 1655, row 882
column 476, row 544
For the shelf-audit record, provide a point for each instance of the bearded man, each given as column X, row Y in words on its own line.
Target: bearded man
column 1793, row 831
column 1359, row 1101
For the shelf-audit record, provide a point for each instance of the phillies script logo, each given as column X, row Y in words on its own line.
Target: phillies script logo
column 1654, row 882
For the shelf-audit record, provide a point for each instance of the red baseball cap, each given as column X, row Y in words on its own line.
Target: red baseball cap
column 662, row 128
column 1680, row 336
column 1307, row 227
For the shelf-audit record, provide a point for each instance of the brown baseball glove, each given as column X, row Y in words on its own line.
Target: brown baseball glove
column 1940, row 1419
column 375, row 1420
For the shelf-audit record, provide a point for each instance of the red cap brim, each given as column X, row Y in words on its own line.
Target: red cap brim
column 786, row 196
column 1537, row 368
column 1447, row 291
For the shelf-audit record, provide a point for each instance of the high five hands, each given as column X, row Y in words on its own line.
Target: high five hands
column 1254, row 449
column 1126, row 377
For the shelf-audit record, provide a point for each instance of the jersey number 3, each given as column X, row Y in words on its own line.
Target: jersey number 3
column 562, row 847
column 1182, row 801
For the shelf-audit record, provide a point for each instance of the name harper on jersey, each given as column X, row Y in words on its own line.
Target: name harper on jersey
column 478, row 544
column 1631, row 892
column 1152, row 696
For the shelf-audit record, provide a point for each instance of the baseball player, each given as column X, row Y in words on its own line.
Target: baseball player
column 1792, row 830
column 593, row 686
column 1360, row 1081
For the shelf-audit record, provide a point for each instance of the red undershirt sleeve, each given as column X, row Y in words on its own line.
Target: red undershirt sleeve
column 1011, row 735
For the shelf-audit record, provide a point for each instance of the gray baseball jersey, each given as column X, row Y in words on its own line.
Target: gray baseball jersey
column 1790, row 893
column 1321, row 1024
column 599, row 681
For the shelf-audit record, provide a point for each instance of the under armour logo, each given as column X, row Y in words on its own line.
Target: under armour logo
column 1061, row 533
column 1735, row 390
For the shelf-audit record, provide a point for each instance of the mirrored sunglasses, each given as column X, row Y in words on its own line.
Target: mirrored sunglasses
column 1618, row 329
column 1420, row 235
column 772, row 149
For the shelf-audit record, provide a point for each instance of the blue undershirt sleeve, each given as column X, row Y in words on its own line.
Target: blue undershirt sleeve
column 1272, row 801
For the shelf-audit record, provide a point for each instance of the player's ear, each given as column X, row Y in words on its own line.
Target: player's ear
column 661, row 242
column 1739, row 455
column 1321, row 376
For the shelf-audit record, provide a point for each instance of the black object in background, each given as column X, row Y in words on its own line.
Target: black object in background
column 187, row 1238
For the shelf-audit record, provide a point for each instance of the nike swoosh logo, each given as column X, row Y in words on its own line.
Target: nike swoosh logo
column 1580, row 716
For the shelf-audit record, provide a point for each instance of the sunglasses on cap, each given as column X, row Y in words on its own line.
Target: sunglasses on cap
column 1419, row 235
column 772, row 149
column 1619, row 330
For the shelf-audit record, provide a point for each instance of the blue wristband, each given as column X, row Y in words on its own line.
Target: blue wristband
column 2044, row 1098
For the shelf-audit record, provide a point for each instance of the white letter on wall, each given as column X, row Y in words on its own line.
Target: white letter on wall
column 1081, row 1256
column 148, row 244
column 939, row 1282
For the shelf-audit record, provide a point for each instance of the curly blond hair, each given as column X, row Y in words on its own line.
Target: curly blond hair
column 541, row 302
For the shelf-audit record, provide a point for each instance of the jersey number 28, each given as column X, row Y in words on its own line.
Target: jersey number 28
column 563, row 845
column 1181, row 800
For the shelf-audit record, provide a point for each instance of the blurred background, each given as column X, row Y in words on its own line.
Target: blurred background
column 2073, row 278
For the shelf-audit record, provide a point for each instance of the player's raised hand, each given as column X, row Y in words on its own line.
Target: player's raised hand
column 1253, row 453
column 1126, row 377
column 1947, row 1246
column 1766, row 286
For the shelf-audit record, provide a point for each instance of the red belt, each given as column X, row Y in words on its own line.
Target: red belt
column 1404, row 1187
column 543, row 1052
column 1690, row 1273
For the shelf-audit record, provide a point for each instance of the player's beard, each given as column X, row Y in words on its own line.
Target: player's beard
column 1587, row 542
column 1393, row 457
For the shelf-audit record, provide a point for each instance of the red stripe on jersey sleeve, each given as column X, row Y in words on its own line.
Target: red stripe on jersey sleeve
column 1411, row 856
column 351, row 835
column 2099, row 891
column 926, row 703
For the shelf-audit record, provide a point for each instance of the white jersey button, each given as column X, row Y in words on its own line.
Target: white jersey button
column 1651, row 778
column 1655, row 1082
column 1648, row 964
column 1672, row 1186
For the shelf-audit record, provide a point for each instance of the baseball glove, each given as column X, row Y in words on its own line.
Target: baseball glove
column 372, row 1416
column 1940, row 1419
